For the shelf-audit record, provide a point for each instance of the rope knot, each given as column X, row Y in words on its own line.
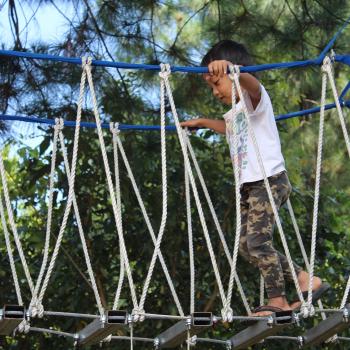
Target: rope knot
column 192, row 341
column 138, row 315
column 327, row 64
column 86, row 61
column 165, row 70
column 114, row 128
column 234, row 69
column 24, row 327
column 227, row 314
column 59, row 123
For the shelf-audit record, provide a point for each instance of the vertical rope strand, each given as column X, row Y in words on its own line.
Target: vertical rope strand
column 190, row 237
column 115, row 131
column 326, row 62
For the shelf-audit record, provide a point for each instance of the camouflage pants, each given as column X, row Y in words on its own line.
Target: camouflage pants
column 257, row 228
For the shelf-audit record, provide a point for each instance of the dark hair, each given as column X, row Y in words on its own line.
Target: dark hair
column 228, row 50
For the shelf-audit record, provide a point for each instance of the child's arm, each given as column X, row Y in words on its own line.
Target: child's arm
column 218, row 126
column 248, row 82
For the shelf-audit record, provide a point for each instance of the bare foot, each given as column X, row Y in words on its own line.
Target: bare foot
column 274, row 305
column 303, row 279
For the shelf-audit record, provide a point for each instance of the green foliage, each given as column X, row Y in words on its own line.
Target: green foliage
column 178, row 32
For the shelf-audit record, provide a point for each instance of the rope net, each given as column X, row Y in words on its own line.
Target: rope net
column 192, row 177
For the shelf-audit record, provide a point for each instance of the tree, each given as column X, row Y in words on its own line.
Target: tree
column 178, row 33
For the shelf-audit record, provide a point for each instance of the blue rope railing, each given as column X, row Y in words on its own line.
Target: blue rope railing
column 125, row 127
column 345, row 59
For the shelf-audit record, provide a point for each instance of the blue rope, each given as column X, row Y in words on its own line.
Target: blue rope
column 342, row 58
column 345, row 90
column 124, row 127
column 332, row 41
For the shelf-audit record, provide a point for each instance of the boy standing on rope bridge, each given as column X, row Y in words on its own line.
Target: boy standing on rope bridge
column 257, row 216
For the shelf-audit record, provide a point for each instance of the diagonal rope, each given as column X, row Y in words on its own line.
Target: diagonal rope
column 268, row 188
column 302, row 249
column 347, row 142
column 216, row 222
column 148, row 223
column 164, row 190
column 232, row 132
column 10, row 255
column 13, row 225
column 117, row 192
column 80, row 229
column 71, row 181
column 34, row 306
column 110, row 187
column 194, row 189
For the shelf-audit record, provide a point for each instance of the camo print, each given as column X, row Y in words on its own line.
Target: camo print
column 257, row 228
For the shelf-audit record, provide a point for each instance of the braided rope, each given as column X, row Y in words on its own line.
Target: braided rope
column 81, row 230
column 148, row 224
column 326, row 62
column 71, row 181
column 194, row 189
column 232, row 125
column 34, row 306
column 268, row 188
column 302, row 249
column 190, row 234
column 162, row 74
column 216, row 222
column 13, row 225
column 10, row 255
column 115, row 131
column 262, row 286
column 110, row 186
column 347, row 142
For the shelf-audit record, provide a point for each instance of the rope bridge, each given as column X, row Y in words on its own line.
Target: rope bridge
column 188, row 324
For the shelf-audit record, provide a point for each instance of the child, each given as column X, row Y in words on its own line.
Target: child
column 256, row 212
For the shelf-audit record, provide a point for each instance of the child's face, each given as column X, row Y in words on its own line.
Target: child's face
column 221, row 87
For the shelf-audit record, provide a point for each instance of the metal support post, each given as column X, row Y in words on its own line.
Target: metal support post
column 332, row 325
column 10, row 317
column 178, row 333
column 262, row 329
column 102, row 327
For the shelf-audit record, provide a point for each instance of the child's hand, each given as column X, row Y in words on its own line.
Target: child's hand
column 218, row 67
column 193, row 123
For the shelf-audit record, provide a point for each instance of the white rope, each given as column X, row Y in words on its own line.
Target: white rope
column 268, row 188
column 148, row 224
column 347, row 142
column 190, row 237
column 115, row 131
column 262, row 288
column 81, row 230
column 162, row 74
column 326, row 62
column 34, row 305
column 71, row 180
column 232, row 125
column 13, row 225
column 216, row 221
column 194, row 189
column 10, row 255
column 111, row 188
column 302, row 249
column 346, row 294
